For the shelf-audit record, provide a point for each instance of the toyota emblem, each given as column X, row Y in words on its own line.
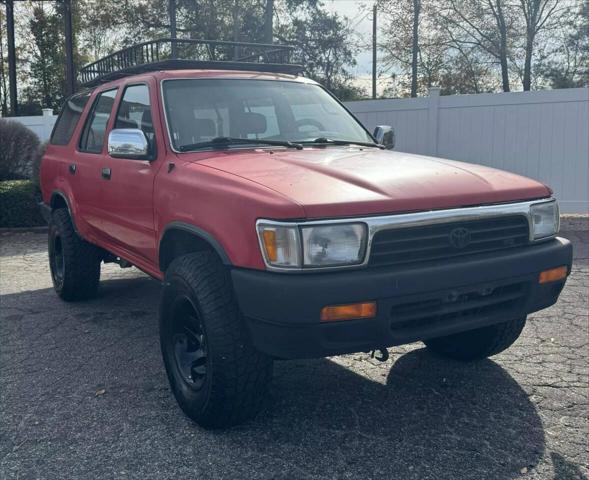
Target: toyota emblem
column 460, row 237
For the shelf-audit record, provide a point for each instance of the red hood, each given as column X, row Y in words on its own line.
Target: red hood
column 332, row 181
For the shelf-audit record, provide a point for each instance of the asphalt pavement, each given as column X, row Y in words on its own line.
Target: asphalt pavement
column 83, row 394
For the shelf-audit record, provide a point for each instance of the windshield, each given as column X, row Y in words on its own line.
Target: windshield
column 200, row 110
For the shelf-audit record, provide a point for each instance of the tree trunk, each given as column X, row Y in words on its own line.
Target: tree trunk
column 236, row 29
column 527, row 80
column 268, row 21
column 502, row 46
column 504, row 71
column 536, row 13
column 415, row 46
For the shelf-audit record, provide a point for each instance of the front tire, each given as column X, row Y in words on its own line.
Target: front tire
column 480, row 343
column 74, row 263
column 216, row 375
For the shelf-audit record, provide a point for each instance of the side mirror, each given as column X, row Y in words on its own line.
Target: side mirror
column 385, row 135
column 128, row 143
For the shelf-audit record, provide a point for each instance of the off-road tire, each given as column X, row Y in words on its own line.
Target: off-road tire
column 237, row 376
column 74, row 263
column 480, row 343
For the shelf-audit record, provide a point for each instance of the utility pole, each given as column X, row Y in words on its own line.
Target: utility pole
column 172, row 13
column 69, row 48
column 374, row 52
column 11, row 57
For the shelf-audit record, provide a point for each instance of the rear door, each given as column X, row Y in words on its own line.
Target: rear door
column 58, row 166
column 127, row 201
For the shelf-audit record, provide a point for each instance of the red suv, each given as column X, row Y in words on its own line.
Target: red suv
column 281, row 228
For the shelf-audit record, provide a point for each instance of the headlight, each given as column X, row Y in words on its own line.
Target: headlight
column 333, row 245
column 545, row 219
column 281, row 245
column 299, row 246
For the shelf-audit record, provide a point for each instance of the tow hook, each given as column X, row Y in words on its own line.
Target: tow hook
column 384, row 354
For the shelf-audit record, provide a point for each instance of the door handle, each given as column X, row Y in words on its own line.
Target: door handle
column 106, row 173
column 72, row 168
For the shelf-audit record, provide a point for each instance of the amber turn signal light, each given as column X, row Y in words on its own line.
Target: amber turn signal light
column 352, row 311
column 270, row 244
column 553, row 274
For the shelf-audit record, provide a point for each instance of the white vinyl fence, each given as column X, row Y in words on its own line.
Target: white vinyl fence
column 40, row 124
column 542, row 135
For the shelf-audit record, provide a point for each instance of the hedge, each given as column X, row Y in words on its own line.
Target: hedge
column 18, row 204
column 20, row 151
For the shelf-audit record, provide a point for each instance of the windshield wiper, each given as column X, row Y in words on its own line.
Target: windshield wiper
column 331, row 141
column 225, row 141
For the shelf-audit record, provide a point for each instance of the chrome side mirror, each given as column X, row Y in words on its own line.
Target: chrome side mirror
column 128, row 143
column 385, row 135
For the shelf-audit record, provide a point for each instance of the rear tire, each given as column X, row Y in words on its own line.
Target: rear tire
column 218, row 378
column 480, row 343
column 74, row 263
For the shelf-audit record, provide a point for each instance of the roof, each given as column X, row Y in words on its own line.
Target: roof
column 180, row 54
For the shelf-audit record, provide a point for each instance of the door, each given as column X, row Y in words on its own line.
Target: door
column 85, row 169
column 127, row 203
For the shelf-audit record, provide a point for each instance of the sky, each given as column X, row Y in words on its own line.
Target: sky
column 360, row 14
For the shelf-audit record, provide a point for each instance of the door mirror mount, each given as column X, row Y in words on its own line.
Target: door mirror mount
column 128, row 143
column 385, row 135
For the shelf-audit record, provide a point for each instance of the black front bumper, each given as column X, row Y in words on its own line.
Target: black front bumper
column 414, row 302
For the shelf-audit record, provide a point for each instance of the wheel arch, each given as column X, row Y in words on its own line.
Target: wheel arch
column 59, row 200
column 181, row 238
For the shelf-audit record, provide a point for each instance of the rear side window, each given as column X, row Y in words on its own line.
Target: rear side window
column 68, row 119
column 95, row 128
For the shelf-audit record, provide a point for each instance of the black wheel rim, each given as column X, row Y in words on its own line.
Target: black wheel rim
column 189, row 344
column 57, row 259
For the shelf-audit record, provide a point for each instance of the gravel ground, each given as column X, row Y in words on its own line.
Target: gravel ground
column 83, row 394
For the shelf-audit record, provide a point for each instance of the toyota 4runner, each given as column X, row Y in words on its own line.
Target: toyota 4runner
column 281, row 228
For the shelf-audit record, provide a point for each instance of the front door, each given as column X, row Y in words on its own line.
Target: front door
column 85, row 170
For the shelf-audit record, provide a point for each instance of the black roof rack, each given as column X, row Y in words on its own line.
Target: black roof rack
column 172, row 54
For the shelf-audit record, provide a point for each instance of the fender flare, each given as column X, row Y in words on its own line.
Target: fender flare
column 59, row 193
column 199, row 232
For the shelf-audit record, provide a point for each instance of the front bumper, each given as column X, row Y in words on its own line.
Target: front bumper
column 414, row 302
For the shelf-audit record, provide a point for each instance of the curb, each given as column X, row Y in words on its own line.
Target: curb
column 42, row 229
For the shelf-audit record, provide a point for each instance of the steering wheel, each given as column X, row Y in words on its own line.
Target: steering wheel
column 310, row 122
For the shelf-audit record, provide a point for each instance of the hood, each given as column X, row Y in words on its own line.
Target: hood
column 350, row 181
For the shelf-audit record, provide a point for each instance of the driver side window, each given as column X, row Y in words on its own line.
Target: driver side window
column 135, row 112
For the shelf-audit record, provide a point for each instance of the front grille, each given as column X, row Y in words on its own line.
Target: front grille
column 446, row 240
column 458, row 307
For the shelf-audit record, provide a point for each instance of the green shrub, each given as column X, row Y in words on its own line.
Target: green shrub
column 19, row 148
column 18, row 204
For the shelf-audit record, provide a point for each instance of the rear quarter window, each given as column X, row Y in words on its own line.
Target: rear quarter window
column 68, row 119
